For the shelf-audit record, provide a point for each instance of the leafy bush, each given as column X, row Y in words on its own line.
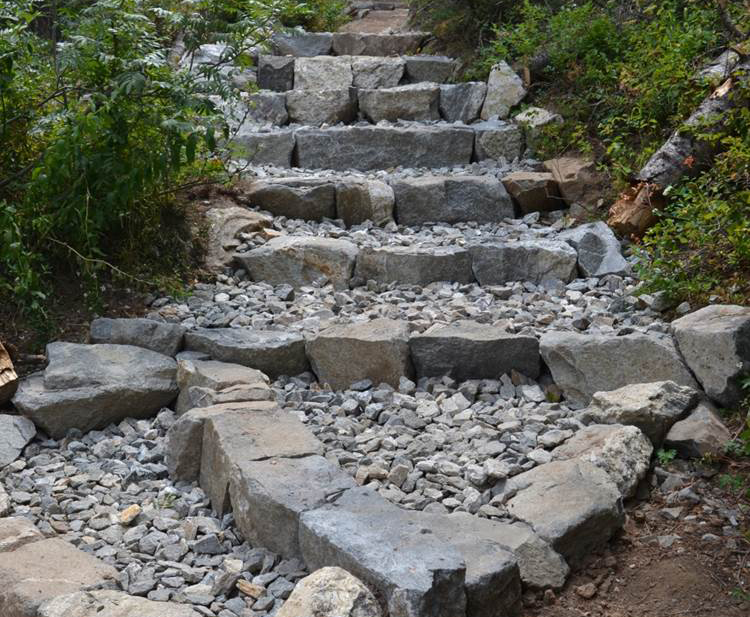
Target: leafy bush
column 99, row 128
column 316, row 15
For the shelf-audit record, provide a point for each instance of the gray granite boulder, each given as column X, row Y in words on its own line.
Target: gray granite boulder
column 359, row 200
column 15, row 433
column 106, row 603
column 273, row 352
column 377, row 350
column 504, row 91
column 435, row 69
column 582, row 364
column 310, row 199
column 301, row 44
column 367, row 44
column 265, row 107
column 496, row 140
column 263, row 148
column 700, row 433
column 413, row 265
column 316, row 107
column 599, row 251
column 377, row 71
column 323, row 73
column 164, row 338
column 462, row 102
column 469, row 350
column 715, row 342
column 535, row 261
column 91, row 386
column 301, row 260
column 411, row 102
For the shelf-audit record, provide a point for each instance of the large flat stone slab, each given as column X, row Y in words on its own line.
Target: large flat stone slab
column 269, row 497
column 582, row 364
column 164, row 338
column 418, row 102
column 416, row 573
column 263, row 148
column 367, row 44
column 39, row 571
column 184, row 444
column 274, row 352
column 309, row 199
column 91, row 386
column 377, row 71
column 425, row 68
column 301, row 260
column 572, row 504
column 316, row 107
column 377, row 350
column 323, row 73
column 469, row 350
column 715, row 342
column 105, row 603
column 535, row 261
column 302, row 44
column 451, row 199
column 381, row 147
column 254, row 434
column 413, row 265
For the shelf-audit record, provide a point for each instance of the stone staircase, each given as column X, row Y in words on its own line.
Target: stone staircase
column 410, row 366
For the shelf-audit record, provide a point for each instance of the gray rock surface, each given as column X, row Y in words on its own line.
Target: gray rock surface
column 90, row 386
column 504, row 91
column 15, row 531
column 469, row 350
column 358, row 201
column 301, row 44
column 377, row 71
column 224, row 227
column 273, row 352
column 331, row 592
column 497, row 140
column 599, row 251
column 264, row 107
column 408, row 265
column 377, row 350
column 316, row 107
column 572, row 504
column 106, row 603
column 462, row 102
column 276, row 73
column 624, row 452
column 652, row 407
column 699, row 434
column 164, row 338
column 263, row 148
column 388, row 549
column 377, row 147
column 582, row 364
column 418, row 102
column 451, row 199
column 323, row 73
column 715, row 342
column 301, row 198
column 424, row 68
column 299, row 261
column 535, row 261
column 15, row 433
column 366, row 44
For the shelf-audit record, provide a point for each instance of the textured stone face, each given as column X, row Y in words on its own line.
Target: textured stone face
column 497, row 140
column 462, row 102
column 534, row 191
column 15, row 433
column 599, row 251
column 536, row 261
column 17, row 531
column 331, row 591
column 164, row 338
column 377, row 350
column 702, row 432
column 309, row 199
column 377, row 72
column 652, row 407
column 578, row 179
column 271, row 148
column 276, row 73
column 298, row 261
column 358, row 201
column 414, row 265
column 362, row 44
column 316, row 107
column 90, row 386
column 435, row 69
column 572, row 504
column 411, row 102
column 582, row 364
column 302, row 44
column 624, row 452
column 224, row 227
column 263, row 108
column 715, row 342
column 323, row 73
column 468, row 350
column 504, row 91
column 111, row 604
column 273, row 352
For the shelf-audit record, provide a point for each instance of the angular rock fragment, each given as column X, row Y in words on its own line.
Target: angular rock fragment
column 17, row 531
column 264, row 148
column 599, row 251
column 366, row 44
column 105, row 603
column 578, row 180
column 462, row 102
column 435, row 69
column 224, row 227
column 504, row 91
column 301, row 44
column 276, row 73
column 408, row 265
column 534, row 191
column 164, row 338
column 323, row 73
column 701, row 433
column 358, row 201
column 497, row 140
column 527, row 260
column 15, row 433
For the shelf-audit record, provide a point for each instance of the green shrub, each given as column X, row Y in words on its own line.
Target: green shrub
column 316, row 15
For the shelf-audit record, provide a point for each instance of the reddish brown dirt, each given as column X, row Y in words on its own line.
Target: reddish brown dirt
column 376, row 22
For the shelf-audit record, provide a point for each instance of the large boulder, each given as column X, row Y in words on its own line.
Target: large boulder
column 462, row 102
column 715, row 342
column 435, row 69
column 624, row 452
column 380, row 147
column 574, row 505
column 263, row 147
column 652, row 407
column 323, row 73
column 599, row 251
column 451, row 199
column 273, row 352
column 301, row 260
column 469, row 350
column 367, row 44
column 496, row 263
column 263, row 107
column 15, row 531
column 377, row 71
column 330, row 592
column 316, row 107
column 360, row 200
column 15, row 433
column 533, row 191
column 301, row 44
column 43, row 570
column 164, row 338
column 310, row 199
column 582, row 364
column 497, row 140
column 224, row 227
column 414, row 265
column 410, row 102
column 377, row 350
column 504, row 91
column 579, row 180
column 91, row 386
column 701, row 433
column 106, row 603
column 276, row 73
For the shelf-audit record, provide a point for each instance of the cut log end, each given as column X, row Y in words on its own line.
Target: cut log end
column 8, row 376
